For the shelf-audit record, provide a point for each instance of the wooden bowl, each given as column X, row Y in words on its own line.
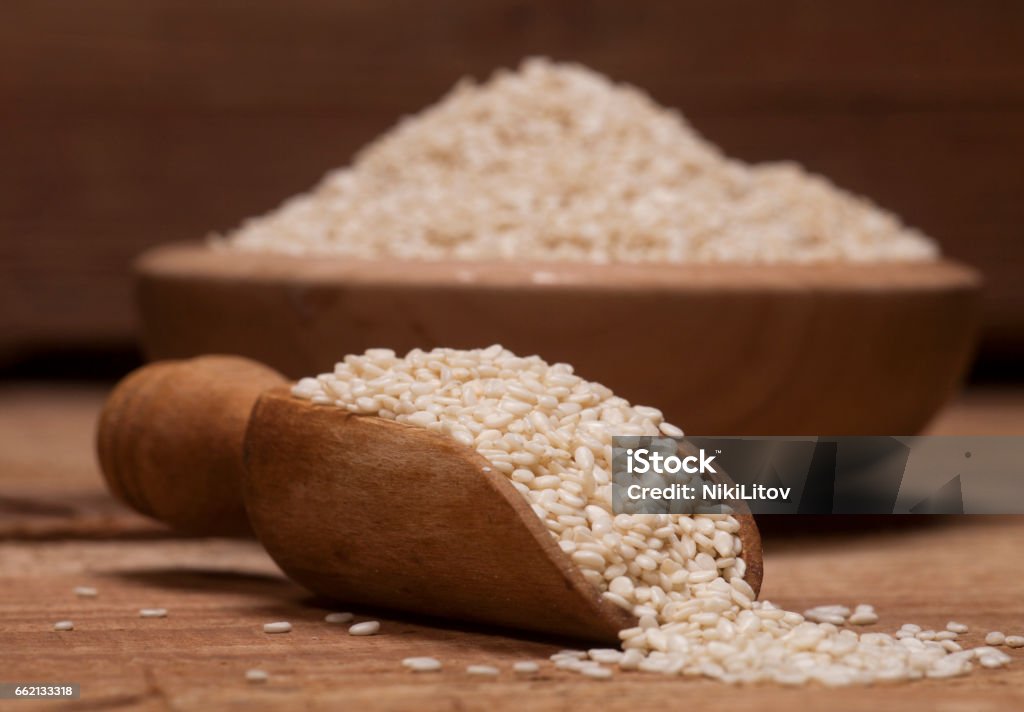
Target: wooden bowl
column 834, row 349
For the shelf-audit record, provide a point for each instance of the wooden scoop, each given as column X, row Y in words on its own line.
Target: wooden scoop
column 353, row 507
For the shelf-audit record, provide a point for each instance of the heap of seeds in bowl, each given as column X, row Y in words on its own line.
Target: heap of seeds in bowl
column 557, row 162
column 550, row 432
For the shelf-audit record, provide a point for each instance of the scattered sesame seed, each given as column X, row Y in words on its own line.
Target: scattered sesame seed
column 422, row 664
column 152, row 613
column 836, row 615
column 863, row 615
column 525, row 667
column 365, row 628
column 990, row 661
column 86, row 592
column 482, row 670
column 63, row 625
column 606, row 656
column 1014, row 641
column 338, row 617
column 956, row 627
column 569, row 664
column 578, row 654
column 596, row 672
column 255, row 675
column 277, row 627
column 995, row 638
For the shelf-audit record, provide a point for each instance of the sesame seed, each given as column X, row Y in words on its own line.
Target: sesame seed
column 277, row 627
column 339, row 617
column 574, row 654
column 525, row 667
column 152, row 613
column 482, row 670
column 422, row 664
column 365, row 628
column 863, row 615
column 63, row 625
column 607, row 656
column 85, row 592
column 255, row 675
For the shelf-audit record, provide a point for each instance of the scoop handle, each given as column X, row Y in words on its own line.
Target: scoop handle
column 170, row 440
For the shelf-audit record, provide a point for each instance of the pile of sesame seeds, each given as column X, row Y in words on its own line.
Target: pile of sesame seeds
column 557, row 162
column 549, row 431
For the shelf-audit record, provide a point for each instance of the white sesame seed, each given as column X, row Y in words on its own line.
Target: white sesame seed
column 482, row 670
column 597, row 673
column 277, row 627
column 63, row 625
column 607, row 656
column 1014, row 641
column 365, row 628
column 525, row 667
column 569, row 653
column 670, row 430
column 338, row 617
column 422, row 664
column 569, row 664
column 990, row 650
column 152, row 613
column 995, row 638
column 588, row 559
column 863, row 618
column 836, row 615
column 256, row 675
column 956, row 627
column 86, row 592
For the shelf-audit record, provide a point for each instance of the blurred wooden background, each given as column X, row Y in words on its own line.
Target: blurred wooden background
column 126, row 123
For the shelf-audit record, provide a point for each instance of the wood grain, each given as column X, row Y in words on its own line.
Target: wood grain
column 50, row 486
column 170, row 441
column 221, row 592
column 737, row 349
column 130, row 123
column 379, row 513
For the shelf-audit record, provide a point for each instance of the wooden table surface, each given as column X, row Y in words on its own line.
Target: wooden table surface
column 59, row 530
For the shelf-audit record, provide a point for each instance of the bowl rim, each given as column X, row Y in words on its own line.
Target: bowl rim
column 205, row 262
